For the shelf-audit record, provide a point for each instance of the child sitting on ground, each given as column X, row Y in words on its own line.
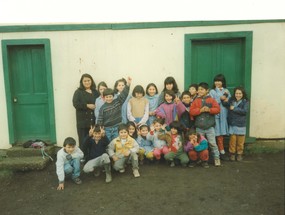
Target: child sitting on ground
column 146, row 146
column 94, row 147
column 68, row 162
column 176, row 148
column 158, row 137
column 123, row 148
column 197, row 148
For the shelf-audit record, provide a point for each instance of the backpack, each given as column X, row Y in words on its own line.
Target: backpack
column 37, row 144
column 205, row 120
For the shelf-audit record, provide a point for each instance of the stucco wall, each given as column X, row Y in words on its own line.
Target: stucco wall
column 150, row 55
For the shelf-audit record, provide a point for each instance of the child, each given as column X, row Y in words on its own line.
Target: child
column 238, row 108
column 146, row 146
column 110, row 114
column 94, row 147
column 193, row 90
column 123, row 148
column 68, row 162
column 169, row 84
column 157, row 136
column 132, row 130
column 100, row 100
column 171, row 109
column 118, row 89
column 175, row 149
column 186, row 120
column 152, row 97
column 197, row 148
column 138, row 106
column 204, row 108
column 220, row 93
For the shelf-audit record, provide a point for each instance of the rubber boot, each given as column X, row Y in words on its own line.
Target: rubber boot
column 107, row 168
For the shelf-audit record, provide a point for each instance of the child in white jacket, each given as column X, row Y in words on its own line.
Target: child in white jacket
column 68, row 162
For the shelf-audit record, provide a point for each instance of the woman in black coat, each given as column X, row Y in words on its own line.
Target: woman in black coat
column 84, row 102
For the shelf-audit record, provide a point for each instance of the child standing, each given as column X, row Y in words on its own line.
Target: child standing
column 197, row 148
column 186, row 120
column 175, row 149
column 169, row 84
column 138, row 106
column 68, row 162
column 193, row 90
column 204, row 108
column 100, row 100
column 171, row 109
column 238, row 108
column 152, row 97
column 123, row 148
column 110, row 113
column 157, row 136
column 146, row 146
column 118, row 89
column 94, row 147
column 220, row 93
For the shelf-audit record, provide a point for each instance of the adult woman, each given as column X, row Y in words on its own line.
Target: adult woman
column 84, row 102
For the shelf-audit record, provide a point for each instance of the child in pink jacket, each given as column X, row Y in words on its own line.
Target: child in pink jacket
column 171, row 109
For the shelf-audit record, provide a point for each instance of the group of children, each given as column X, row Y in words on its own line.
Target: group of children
column 178, row 127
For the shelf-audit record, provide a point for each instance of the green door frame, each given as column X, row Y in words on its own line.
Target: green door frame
column 47, row 51
column 246, row 35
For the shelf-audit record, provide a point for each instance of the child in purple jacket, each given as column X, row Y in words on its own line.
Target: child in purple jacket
column 171, row 109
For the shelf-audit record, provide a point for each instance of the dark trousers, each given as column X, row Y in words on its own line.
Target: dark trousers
column 82, row 133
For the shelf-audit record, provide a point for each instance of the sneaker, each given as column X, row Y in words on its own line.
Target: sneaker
column 172, row 164
column 205, row 164
column 217, row 162
column 122, row 170
column 97, row 172
column 224, row 157
column 232, row 157
column 136, row 173
column 239, row 157
column 108, row 177
column 77, row 180
column 192, row 164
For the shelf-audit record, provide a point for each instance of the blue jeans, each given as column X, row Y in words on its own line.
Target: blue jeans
column 112, row 132
column 73, row 168
column 211, row 137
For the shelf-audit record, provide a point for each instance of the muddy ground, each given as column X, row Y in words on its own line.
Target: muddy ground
column 254, row 186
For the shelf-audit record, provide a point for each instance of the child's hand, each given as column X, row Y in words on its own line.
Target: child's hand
column 232, row 107
column 176, row 100
column 91, row 131
column 127, row 153
column 206, row 109
column 115, row 158
column 102, row 130
column 129, row 81
column 60, row 186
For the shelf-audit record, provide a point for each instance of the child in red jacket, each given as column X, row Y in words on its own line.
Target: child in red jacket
column 204, row 109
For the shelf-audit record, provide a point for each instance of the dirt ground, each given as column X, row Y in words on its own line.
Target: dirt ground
column 254, row 186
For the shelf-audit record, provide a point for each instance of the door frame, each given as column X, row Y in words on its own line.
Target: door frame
column 246, row 35
column 47, row 51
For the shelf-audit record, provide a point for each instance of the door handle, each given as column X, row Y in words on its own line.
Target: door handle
column 15, row 100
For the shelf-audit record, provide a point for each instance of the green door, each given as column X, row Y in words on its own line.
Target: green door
column 212, row 57
column 228, row 53
column 29, row 93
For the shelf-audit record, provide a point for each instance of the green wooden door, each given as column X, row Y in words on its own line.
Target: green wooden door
column 27, row 70
column 212, row 57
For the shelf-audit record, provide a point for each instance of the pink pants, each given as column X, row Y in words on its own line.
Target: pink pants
column 157, row 152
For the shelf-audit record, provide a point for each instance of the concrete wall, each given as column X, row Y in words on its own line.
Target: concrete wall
column 150, row 55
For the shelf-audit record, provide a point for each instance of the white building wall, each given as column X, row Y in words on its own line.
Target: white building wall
column 150, row 55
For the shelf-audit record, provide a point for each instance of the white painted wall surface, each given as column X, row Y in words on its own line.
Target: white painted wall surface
column 150, row 55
